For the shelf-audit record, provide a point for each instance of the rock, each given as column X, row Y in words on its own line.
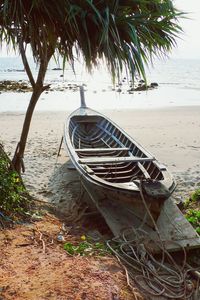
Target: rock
column 17, row 86
column 154, row 84
column 95, row 235
column 36, row 217
column 60, row 238
column 56, row 69
column 141, row 88
column 131, row 89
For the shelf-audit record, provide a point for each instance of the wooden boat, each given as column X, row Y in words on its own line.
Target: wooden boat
column 113, row 164
column 129, row 187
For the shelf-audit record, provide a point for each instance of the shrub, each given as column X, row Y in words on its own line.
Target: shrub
column 13, row 195
column 193, row 200
column 193, row 216
column 196, row 196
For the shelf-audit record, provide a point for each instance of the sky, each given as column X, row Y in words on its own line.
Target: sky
column 189, row 44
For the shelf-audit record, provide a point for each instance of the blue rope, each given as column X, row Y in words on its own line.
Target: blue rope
column 5, row 217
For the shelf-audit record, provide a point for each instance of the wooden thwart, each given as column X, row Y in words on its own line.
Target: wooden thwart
column 101, row 149
column 105, row 160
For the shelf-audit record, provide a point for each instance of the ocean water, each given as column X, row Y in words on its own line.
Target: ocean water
column 178, row 80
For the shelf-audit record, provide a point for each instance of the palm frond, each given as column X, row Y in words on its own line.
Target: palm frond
column 125, row 34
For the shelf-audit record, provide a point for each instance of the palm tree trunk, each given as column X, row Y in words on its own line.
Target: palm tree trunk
column 19, row 152
column 38, row 88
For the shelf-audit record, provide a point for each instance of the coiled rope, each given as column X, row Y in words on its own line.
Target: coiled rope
column 155, row 276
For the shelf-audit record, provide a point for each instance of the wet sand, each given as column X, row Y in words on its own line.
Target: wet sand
column 172, row 135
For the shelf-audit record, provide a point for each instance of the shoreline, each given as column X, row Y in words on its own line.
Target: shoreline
column 163, row 97
column 103, row 111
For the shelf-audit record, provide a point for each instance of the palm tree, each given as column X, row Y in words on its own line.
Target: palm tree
column 126, row 34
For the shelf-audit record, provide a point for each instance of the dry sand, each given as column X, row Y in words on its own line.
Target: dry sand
column 172, row 135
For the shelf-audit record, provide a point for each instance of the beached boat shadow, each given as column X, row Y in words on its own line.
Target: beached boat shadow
column 65, row 189
column 71, row 202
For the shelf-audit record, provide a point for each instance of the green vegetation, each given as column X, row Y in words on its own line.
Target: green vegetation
column 193, row 200
column 196, row 196
column 192, row 211
column 193, row 216
column 87, row 249
column 13, row 196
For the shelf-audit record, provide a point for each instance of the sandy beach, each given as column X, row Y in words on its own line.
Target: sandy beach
column 170, row 134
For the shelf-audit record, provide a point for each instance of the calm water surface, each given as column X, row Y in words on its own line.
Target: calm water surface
column 179, row 85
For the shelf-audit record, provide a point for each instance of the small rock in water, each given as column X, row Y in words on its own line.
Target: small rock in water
column 154, row 84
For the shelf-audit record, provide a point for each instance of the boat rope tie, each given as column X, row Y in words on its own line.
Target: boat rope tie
column 61, row 141
column 58, row 154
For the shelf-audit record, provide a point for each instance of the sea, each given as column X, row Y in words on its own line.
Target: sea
column 178, row 85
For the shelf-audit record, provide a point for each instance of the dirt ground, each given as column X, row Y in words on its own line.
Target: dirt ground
column 34, row 265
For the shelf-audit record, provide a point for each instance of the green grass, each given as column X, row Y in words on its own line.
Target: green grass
column 193, row 216
column 193, row 200
column 196, row 196
column 87, row 249
column 192, row 210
